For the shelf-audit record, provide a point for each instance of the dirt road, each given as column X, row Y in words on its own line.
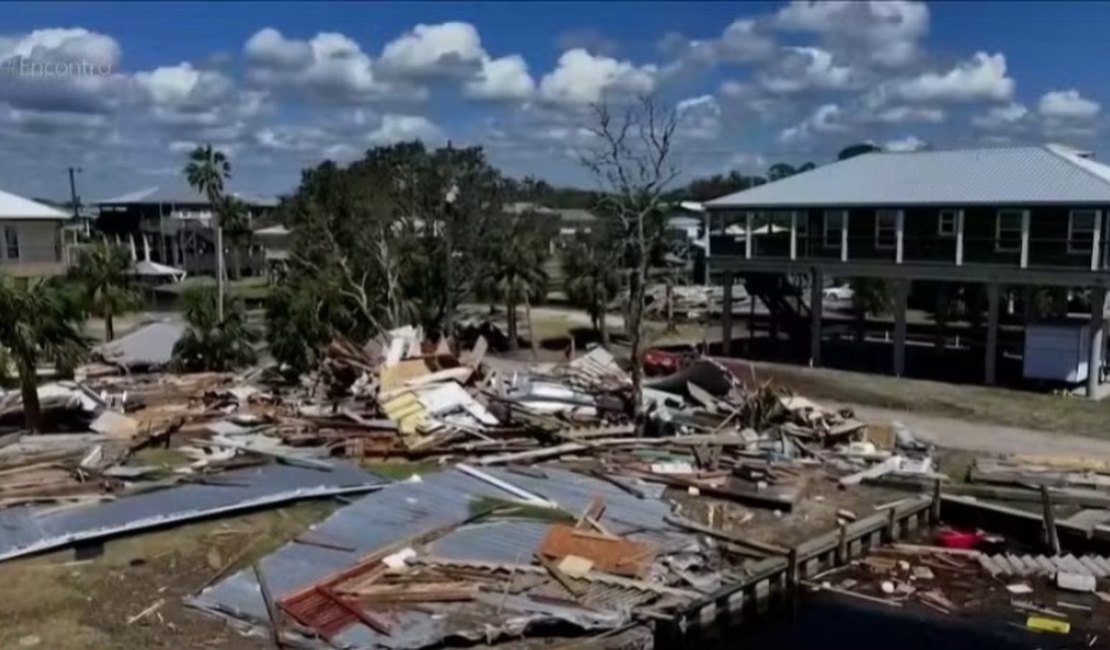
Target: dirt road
column 979, row 437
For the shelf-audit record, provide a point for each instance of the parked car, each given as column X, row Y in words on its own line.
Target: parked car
column 842, row 292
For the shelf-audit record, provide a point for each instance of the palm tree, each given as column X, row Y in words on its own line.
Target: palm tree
column 591, row 279
column 42, row 323
column 516, row 272
column 212, row 342
column 206, row 172
column 104, row 273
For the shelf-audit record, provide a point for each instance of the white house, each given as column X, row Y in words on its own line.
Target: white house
column 33, row 238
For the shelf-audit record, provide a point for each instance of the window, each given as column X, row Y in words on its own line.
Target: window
column 834, row 225
column 1007, row 231
column 802, row 219
column 11, row 242
column 1081, row 230
column 946, row 223
column 886, row 228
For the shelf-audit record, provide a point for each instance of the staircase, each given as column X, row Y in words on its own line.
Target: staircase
column 783, row 297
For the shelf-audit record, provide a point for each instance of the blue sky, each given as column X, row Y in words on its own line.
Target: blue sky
column 284, row 86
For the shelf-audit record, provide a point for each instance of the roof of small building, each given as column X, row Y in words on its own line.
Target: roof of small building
column 17, row 207
column 1049, row 174
column 180, row 196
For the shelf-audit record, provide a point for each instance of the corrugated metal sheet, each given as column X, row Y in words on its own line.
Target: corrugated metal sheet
column 27, row 530
column 407, row 508
column 1018, row 175
column 149, row 346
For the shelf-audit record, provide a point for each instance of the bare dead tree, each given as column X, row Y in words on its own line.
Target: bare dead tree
column 634, row 164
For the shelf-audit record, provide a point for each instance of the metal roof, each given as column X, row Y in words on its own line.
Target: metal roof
column 17, row 207
column 407, row 508
column 180, row 196
column 1017, row 175
column 149, row 346
column 25, row 529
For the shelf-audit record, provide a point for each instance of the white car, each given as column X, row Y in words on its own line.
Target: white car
column 834, row 294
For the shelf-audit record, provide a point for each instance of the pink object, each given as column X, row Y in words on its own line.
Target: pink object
column 959, row 539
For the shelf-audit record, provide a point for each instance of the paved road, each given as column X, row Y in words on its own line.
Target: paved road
column 974, row 436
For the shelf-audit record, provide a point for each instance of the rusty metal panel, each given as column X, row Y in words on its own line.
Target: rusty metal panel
column 610, row 554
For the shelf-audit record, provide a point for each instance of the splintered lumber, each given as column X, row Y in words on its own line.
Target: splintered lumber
column 420, row 592
column 562, row 578
column 1051, row 534
column 763, row 499
column 875, row 471
column 762, row 548
column 610, row 554
column 634, row 491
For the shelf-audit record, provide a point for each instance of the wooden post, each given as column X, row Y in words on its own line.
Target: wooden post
column 747, row 235
column 992, row 334
column 934, row 507
column 901, row 293
column 794, row 234
column 1094, row 345
column 1096, row 241
column 899, row 232
column 891, row 518
column 726, row 316
column 1051, row 534
column 842, row 546
column 816, row 309
column 959, row 237
column 844, row 238
column 1025, row 239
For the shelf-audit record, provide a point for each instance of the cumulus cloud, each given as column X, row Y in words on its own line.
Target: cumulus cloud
column 1067, row 105
column 329, row 67
column 184, row 87
column 743, row 41
column 699, row 118
column 504, row 79
column 581, row 78
column 799, row 69
column 906, row 144
column 69, row 70
column 886, row 32
column 399, row 128
column 1000, row 117
column 590, row 39
column 827, row 118
column 980, row 78
column 907, row 114
column 451, row 48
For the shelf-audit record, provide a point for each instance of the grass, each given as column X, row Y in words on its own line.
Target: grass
column 969, row 402
column 254, row 288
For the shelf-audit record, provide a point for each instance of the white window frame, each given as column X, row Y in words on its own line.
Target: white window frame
column 998, row 247
column 1097, row 215
column 879, row 214
column 843, row 215
column 954, row 215
column 11, row 236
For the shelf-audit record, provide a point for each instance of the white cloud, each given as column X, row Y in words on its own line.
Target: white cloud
column 182, row 146
column 1067, row 104
column 399, row 128
column 1001, row 117
column 581, row 78
column 908, row 143
column 981, row 78
column 827, row 118
column 184, row 87
column 743, row 41
column 907, row 114
column 330, row 67
column 800, row 69
column 429, row 50
column 885, row 32
column 504, row 79
column 699, row 118
column 68, row 70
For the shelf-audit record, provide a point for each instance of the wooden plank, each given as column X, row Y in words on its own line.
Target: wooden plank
column 1053, row 535
column 575, row 590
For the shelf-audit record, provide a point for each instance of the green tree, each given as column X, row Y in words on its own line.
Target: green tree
column 206, row 172
column 805, row 167
column 235, row 219
column 515, row 268
column 853, row 150
column 104, row 272
column 780, row 170
column 211, row 342
column 42, row 323
column 592, row 282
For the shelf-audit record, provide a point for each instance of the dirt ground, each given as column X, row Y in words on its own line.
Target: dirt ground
column 55, row 602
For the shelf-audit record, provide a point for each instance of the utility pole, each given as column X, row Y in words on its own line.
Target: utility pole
column 73, row 200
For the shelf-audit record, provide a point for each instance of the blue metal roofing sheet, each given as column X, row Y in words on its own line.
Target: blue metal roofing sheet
column 1018, row 175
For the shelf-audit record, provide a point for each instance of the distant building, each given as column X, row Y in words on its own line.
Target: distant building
column 276, row 242
column 571, row 220
column 35, row 239
column 179, row 222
